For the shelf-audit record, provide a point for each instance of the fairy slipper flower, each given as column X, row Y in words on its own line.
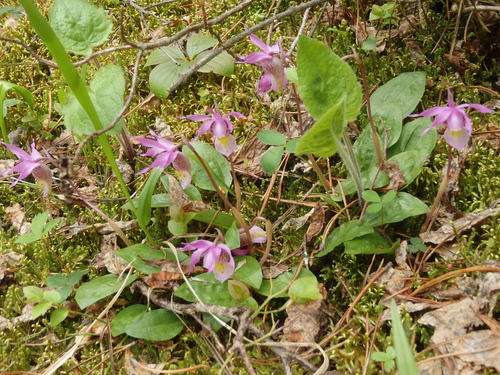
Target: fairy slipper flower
column 166, row 153
column 271, row 60
column 30, row 164
column 457, row 121
column 220, row 126
column 257, row 235
column 217, row 257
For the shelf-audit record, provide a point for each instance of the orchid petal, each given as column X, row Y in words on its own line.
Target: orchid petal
column 258, row 42
column 477, row 107
column 457, row 139
column 225, row 145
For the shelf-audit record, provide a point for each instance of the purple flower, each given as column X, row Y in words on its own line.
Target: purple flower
column 458, row 123
column 30, row 164
column 217, row 258
column 271, row 60
column 166, row 153
column 257, row 235
column 221, row 128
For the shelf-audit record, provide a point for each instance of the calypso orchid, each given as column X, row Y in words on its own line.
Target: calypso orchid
column 457, row 122
column 217, row 257
column 220, row 126
column 257, row 235
column 33, row 163
column 271, row 60
column 166, row 153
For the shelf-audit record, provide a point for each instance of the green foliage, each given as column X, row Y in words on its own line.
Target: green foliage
column 232, row 237
column 171, row 62
column 304, row 289
column 106, row 91
column 79, row 25
column 43, row 299
column 248, row 270
column 218, row 165
column 345, row 232
column 405, row 358
column 26, row 95
column 416, row 245
column 125, row 318
column 99, row 288
column 144, row 201
column 155, row 325
column 271, row 159
column 139, row 254
column 64, row 284
column 386, row 13
column 324, row 80
column 271, row 137
column 386, row 357
column 402, row 206
column 39, row 228
column 372, row 243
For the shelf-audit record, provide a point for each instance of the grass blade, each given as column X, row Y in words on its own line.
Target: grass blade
column 405, row 358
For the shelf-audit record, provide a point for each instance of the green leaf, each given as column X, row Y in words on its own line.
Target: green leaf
column 272, row 286
column 144, row 202
column 137, row 254
column 101, row 287
column 291, row 145
column 291, row 75
column 370, row 196
column 38, row 222
column 28, row 238
column 369, row 44
column 51, row 225
column 402, row 207
column 405, row 358
column 238, row 290
column 197, row 43
column 125, row 318
column 106, row 92
column 4, row 87
column 216, row 218
column 304, row 289
column 232, row 237
column 52, row 296
column 60, row 280
column 249, row 271
column 156, row 325
column 57, row 316
column 412, row 139
column 416, row 245
column 79, row 25
column 216, row 163
column 167, row 54
column 345, row 232
column 271, row 159
column 163, row 76
column 208, row 289
column 40, row 309
column 389, row 196
column 396, row 100
column 324, row 79
column 33, row 293
column 372, row 243
column 177, row 228
column 374, row 208
column 324, row 136
column 222, row 64
column 271, row 137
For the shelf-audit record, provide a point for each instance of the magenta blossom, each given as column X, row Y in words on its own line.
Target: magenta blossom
column 221, row 128
column 458, row 124
column 271, row 60
column 217, row 257
column 257, row 235
column 30, row 164
column 166, row 153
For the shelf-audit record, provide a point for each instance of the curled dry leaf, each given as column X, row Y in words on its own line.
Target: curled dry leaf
column 102, row 228
column 16, row 216
column 134, row 367
column 449, row 231
column 7, row 261
column 317, row 221
column 108, row 257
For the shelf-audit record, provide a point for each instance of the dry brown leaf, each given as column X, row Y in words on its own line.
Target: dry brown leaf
column 274, row 271
column 179, row 198
column 6, row 165
column 16, row 216
column 134, row 367
column 449, row 231
column 102, row 228
column 303, row 322
column 317, row 221
column 7, row 261
column 296, row 223
column 107, row 257
column 455, row 323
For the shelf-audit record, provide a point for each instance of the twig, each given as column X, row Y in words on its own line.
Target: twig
column 159, row 3
column 145, row 11
column 488, row 8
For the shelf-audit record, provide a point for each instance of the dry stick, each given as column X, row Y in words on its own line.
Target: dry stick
column 238, row 341
column 451, row 274
column 301, row 30
column 30, row 51
column 159, row 3
column 133, row 85
column 455, row 31
column 145, row 11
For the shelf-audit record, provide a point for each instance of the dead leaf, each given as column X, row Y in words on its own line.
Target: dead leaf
column 102, row 228
column 6, row 165
column 273, row 271
column 304, row 320
column 317, row 221
column 179, row 198
column 7, row 261
column 449, row 231
column 107, row 257
column 455, row 326
column 396, row 178
column 134, row 367
column 126, row 170
column 296, row 223
column 16, row 216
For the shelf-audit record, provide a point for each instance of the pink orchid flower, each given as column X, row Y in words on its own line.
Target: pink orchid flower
column 30, row 164
column 220, row 126
column 457, row 122
column 166, row 153
column 271, row 60
column 257, row 235
column 217, row 257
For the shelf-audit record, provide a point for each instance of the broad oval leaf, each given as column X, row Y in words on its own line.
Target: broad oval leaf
column 102, row 286
column 169, row 54
column 345, row 232
column 156, row 325
column 163, row 76
column 271, row 159
column 208, row 289
column 304, row 289
column 402, row 207
column 249, row 271
column 197, row 43
column 79, row 25
column 324, row 79
column 57, row 316
column 271, row 137
column 106, row 92
column 217, row 164
column 222, row 64
column 324, row 136
column 125, row 318
column 372, row 243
